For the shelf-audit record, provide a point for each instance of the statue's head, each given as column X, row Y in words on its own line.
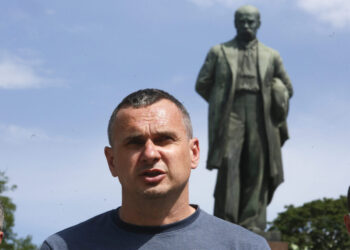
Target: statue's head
column 247, row 22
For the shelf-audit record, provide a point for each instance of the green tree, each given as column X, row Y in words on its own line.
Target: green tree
column 11, row 241
column 315, row 225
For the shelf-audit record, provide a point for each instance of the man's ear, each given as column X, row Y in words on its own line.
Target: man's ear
column 194, row 151
column 111, row 161
column 347, row 222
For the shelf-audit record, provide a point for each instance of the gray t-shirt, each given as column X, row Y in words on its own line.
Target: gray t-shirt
column 198, row 231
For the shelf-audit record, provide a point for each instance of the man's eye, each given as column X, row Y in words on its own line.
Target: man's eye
column 163, row 140
column 136, row 141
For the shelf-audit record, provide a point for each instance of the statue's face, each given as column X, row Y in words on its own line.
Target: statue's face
column 247, row 25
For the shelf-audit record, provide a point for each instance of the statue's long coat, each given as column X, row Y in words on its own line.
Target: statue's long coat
column 216, row 83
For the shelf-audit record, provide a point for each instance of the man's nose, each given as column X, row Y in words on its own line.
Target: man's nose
column 150, row 154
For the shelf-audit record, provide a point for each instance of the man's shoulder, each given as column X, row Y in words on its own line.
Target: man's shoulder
column 267, row 48
column 216, row 49
column 90, row 224
column 230, row 43
column 233, row 44
column 228, row 232
column 89, row 228
column 221, row 224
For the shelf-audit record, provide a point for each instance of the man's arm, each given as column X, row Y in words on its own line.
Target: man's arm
column 281, row 73
column 45, row 246
column 206, row 75
column 54, row 242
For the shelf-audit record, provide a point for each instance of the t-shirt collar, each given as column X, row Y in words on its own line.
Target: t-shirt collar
column 156, row 229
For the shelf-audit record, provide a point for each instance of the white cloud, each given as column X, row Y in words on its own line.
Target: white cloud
column 335, row 12
column 179, row 79
column 230, row 3
column 209, row 3
column 14, row 134
column 50, row 12
column 76, row 29
column 19, row 133
column 21, row 73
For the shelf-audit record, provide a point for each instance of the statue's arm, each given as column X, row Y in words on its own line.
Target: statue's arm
column 205, row 79
column 281, row 73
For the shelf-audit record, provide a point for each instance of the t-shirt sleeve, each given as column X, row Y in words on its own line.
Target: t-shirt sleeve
column 265, row 246
column 54, row 242
column 45, row 246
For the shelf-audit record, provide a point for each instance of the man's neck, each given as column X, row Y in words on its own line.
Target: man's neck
column 155, row 212
column 246, row 43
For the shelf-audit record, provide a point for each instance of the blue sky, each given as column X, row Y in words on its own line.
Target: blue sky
column 65, row 65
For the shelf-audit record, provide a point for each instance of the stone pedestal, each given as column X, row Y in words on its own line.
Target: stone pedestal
column 278, row 245
column 273, row 239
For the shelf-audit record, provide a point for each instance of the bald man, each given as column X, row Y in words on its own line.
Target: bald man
column 152, row 152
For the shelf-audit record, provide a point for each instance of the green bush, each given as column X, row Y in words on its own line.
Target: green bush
column 317, row 225
column 11, row 241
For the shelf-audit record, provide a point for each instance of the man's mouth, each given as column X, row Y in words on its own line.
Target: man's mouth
column 153, row 176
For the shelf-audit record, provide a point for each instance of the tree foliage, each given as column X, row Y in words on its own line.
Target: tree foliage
column 315, row 225
column 11, row 241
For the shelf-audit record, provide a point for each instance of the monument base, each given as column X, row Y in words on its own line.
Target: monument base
column 278, row 245
column 273, row 239
column 269, row 235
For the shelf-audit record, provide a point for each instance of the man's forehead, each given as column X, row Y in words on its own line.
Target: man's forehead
column 163, row 109
column 152, row 120
column 246, row 11
column 160, row 104
column 247, row 16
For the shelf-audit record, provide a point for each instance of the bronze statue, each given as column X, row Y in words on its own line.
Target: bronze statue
column 248, row 91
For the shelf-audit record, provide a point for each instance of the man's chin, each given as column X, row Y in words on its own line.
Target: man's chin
column 247, row 36
column 154, row 193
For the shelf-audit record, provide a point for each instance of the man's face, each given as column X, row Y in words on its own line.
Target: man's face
column 152, row 154
column 247, row 25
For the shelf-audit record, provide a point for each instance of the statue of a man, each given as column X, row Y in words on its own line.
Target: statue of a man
column 247, row 89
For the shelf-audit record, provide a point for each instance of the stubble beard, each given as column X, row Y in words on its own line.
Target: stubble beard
column 247, row 36
column 157, row 192
column 152, row 193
